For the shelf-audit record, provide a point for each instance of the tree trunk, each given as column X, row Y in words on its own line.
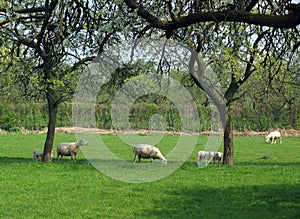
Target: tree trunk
column 228, row 140
column 293, row 115
column 52, row 112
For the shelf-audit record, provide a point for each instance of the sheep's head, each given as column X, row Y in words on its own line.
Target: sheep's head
column 267, row 138
column 164, row 161
column 218, row 155
column 83, row 143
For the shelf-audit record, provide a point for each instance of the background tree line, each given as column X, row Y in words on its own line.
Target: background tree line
column 33, row 116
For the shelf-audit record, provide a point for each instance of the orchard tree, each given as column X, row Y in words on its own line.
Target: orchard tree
column 57, row 37
column 245, row 30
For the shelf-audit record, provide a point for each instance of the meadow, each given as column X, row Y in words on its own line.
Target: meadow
column 264, row 182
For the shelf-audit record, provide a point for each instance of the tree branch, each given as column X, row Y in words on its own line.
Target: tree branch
column 291, row 20
column 251, row 5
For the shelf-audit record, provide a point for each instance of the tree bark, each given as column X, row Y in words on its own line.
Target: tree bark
column 293, row 114
column 52, row 113
column 228, row 140
column 52, row 105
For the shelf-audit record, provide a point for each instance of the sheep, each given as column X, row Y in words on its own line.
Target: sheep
column 218, row 157
column 274, row 135
column 69, row 149
column 148, row 151
column 207, row 156
column 38, row 153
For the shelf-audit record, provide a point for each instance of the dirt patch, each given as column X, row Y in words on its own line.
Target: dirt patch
column 248, row 133
column 284, row 132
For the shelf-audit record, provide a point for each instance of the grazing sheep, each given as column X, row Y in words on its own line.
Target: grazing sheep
column 218, row 157
column 274, row 135
column 207, row 156
column 148, row 151
column 38, row 153
column 69, row 149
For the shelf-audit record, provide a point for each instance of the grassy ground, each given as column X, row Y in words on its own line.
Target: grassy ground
column 263, row 183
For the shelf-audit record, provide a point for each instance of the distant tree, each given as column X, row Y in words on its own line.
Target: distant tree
column 280, row 95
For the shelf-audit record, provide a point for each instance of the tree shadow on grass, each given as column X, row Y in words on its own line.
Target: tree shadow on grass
column 15, row 160
column 267, row 201
column 267, row 163
column 30, row 160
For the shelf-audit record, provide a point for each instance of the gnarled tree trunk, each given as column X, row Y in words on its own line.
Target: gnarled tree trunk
column 52, row 113
column 228, row 140
column 52, row 101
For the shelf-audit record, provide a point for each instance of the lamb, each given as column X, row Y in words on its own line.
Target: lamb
column 38, row 154
column 274, row 135
column 207, row 156
column 218, row 157
column 69, row 149
column 148, row 151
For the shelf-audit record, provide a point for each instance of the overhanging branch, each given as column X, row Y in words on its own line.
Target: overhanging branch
column 291, row 20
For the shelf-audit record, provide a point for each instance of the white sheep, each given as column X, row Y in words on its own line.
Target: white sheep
column 38, row 154
column 148, row 151
column 274, row 135
column 207, row 156
column 69, row 149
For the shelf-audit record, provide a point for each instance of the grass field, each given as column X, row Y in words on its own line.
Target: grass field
column 252, row 188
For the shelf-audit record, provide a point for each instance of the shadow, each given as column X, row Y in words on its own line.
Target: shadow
column 267, row 163
column 29, row 160
column 266, row 201
column 15, row 160
column 186, row 165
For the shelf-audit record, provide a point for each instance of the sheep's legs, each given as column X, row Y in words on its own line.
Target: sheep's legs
column 136, row 157
column 59, row 157
column 73, row 157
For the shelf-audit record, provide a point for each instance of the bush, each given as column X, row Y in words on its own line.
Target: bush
column 8, row 117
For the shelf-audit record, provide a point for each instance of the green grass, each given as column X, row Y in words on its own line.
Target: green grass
column 252, row 188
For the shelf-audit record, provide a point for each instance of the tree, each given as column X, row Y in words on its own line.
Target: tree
column 280, row 95
column 264, row 25
column 49, row 34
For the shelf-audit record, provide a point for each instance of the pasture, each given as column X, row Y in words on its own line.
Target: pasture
column 263, row 183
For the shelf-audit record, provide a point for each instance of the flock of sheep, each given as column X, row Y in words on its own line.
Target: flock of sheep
column 144, row 151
